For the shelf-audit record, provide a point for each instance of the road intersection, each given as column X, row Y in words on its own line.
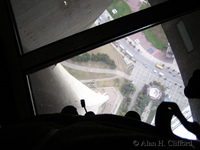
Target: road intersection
column 143, row 56
column 144, row 70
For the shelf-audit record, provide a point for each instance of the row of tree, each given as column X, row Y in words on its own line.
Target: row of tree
column 126, row 89
column 141, row 102
column 82, row 58
column 123, row 109
column 95, row 57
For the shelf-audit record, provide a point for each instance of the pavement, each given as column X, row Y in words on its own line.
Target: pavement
column 134, row 4
column 158, row 56
column 141, row 75
column 145, row 53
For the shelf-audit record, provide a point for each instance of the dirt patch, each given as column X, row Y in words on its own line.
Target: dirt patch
column 83, row 75
column 111, row 52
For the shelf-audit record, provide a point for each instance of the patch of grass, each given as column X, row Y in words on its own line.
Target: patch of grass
column 84, row 75
column 153, row 111
column 122, row 8
column 117, row 83
column 156, row 37
column 109, row 83
column 123, row 108
column 112, row 53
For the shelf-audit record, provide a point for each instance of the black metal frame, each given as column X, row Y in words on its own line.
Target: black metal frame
column 22, row 65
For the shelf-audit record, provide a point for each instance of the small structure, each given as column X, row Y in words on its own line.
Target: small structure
column 154, row 92
column 127, row 60
column 130, row 66
column 169, row 52
column 114, row 11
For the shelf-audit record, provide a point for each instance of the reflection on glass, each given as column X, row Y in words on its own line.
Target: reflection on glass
column 135, row 73
column 43, row 22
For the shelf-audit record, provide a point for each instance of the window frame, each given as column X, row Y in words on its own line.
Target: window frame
column 24, row 64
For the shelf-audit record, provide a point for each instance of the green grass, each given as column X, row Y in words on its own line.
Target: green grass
column 155, row 35
column 153, row 111
column 156, row 38
column 122, row 8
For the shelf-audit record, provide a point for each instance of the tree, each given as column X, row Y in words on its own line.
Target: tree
column 144, row 91
column 82, row 58
column 138, row 110
column 104, row 58
column 143, row 103
column 128, row 87
column 140, row 95
column 86, row 57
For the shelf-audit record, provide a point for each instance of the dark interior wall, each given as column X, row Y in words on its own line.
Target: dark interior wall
column 8, row 111
column 188, row 61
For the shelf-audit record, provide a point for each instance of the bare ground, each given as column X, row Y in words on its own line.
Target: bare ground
column 112, row 53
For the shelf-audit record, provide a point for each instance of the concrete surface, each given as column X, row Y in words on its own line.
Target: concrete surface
column 41, row 22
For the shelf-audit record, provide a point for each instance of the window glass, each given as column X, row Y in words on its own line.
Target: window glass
column 43, row 22
column 135, row 73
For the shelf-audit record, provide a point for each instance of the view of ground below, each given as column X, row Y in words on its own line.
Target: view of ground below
column 111, row 57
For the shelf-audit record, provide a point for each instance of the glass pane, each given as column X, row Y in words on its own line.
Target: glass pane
column 134, row 73
column 43, row 22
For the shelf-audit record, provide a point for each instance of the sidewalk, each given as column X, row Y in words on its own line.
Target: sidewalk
column 157, row 56
column 146, row 54
column 143, row 45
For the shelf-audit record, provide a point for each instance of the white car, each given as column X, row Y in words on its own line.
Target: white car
column 161, row 74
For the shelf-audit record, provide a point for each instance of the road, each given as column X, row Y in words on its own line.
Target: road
column 143, row 73
column 148, row 64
